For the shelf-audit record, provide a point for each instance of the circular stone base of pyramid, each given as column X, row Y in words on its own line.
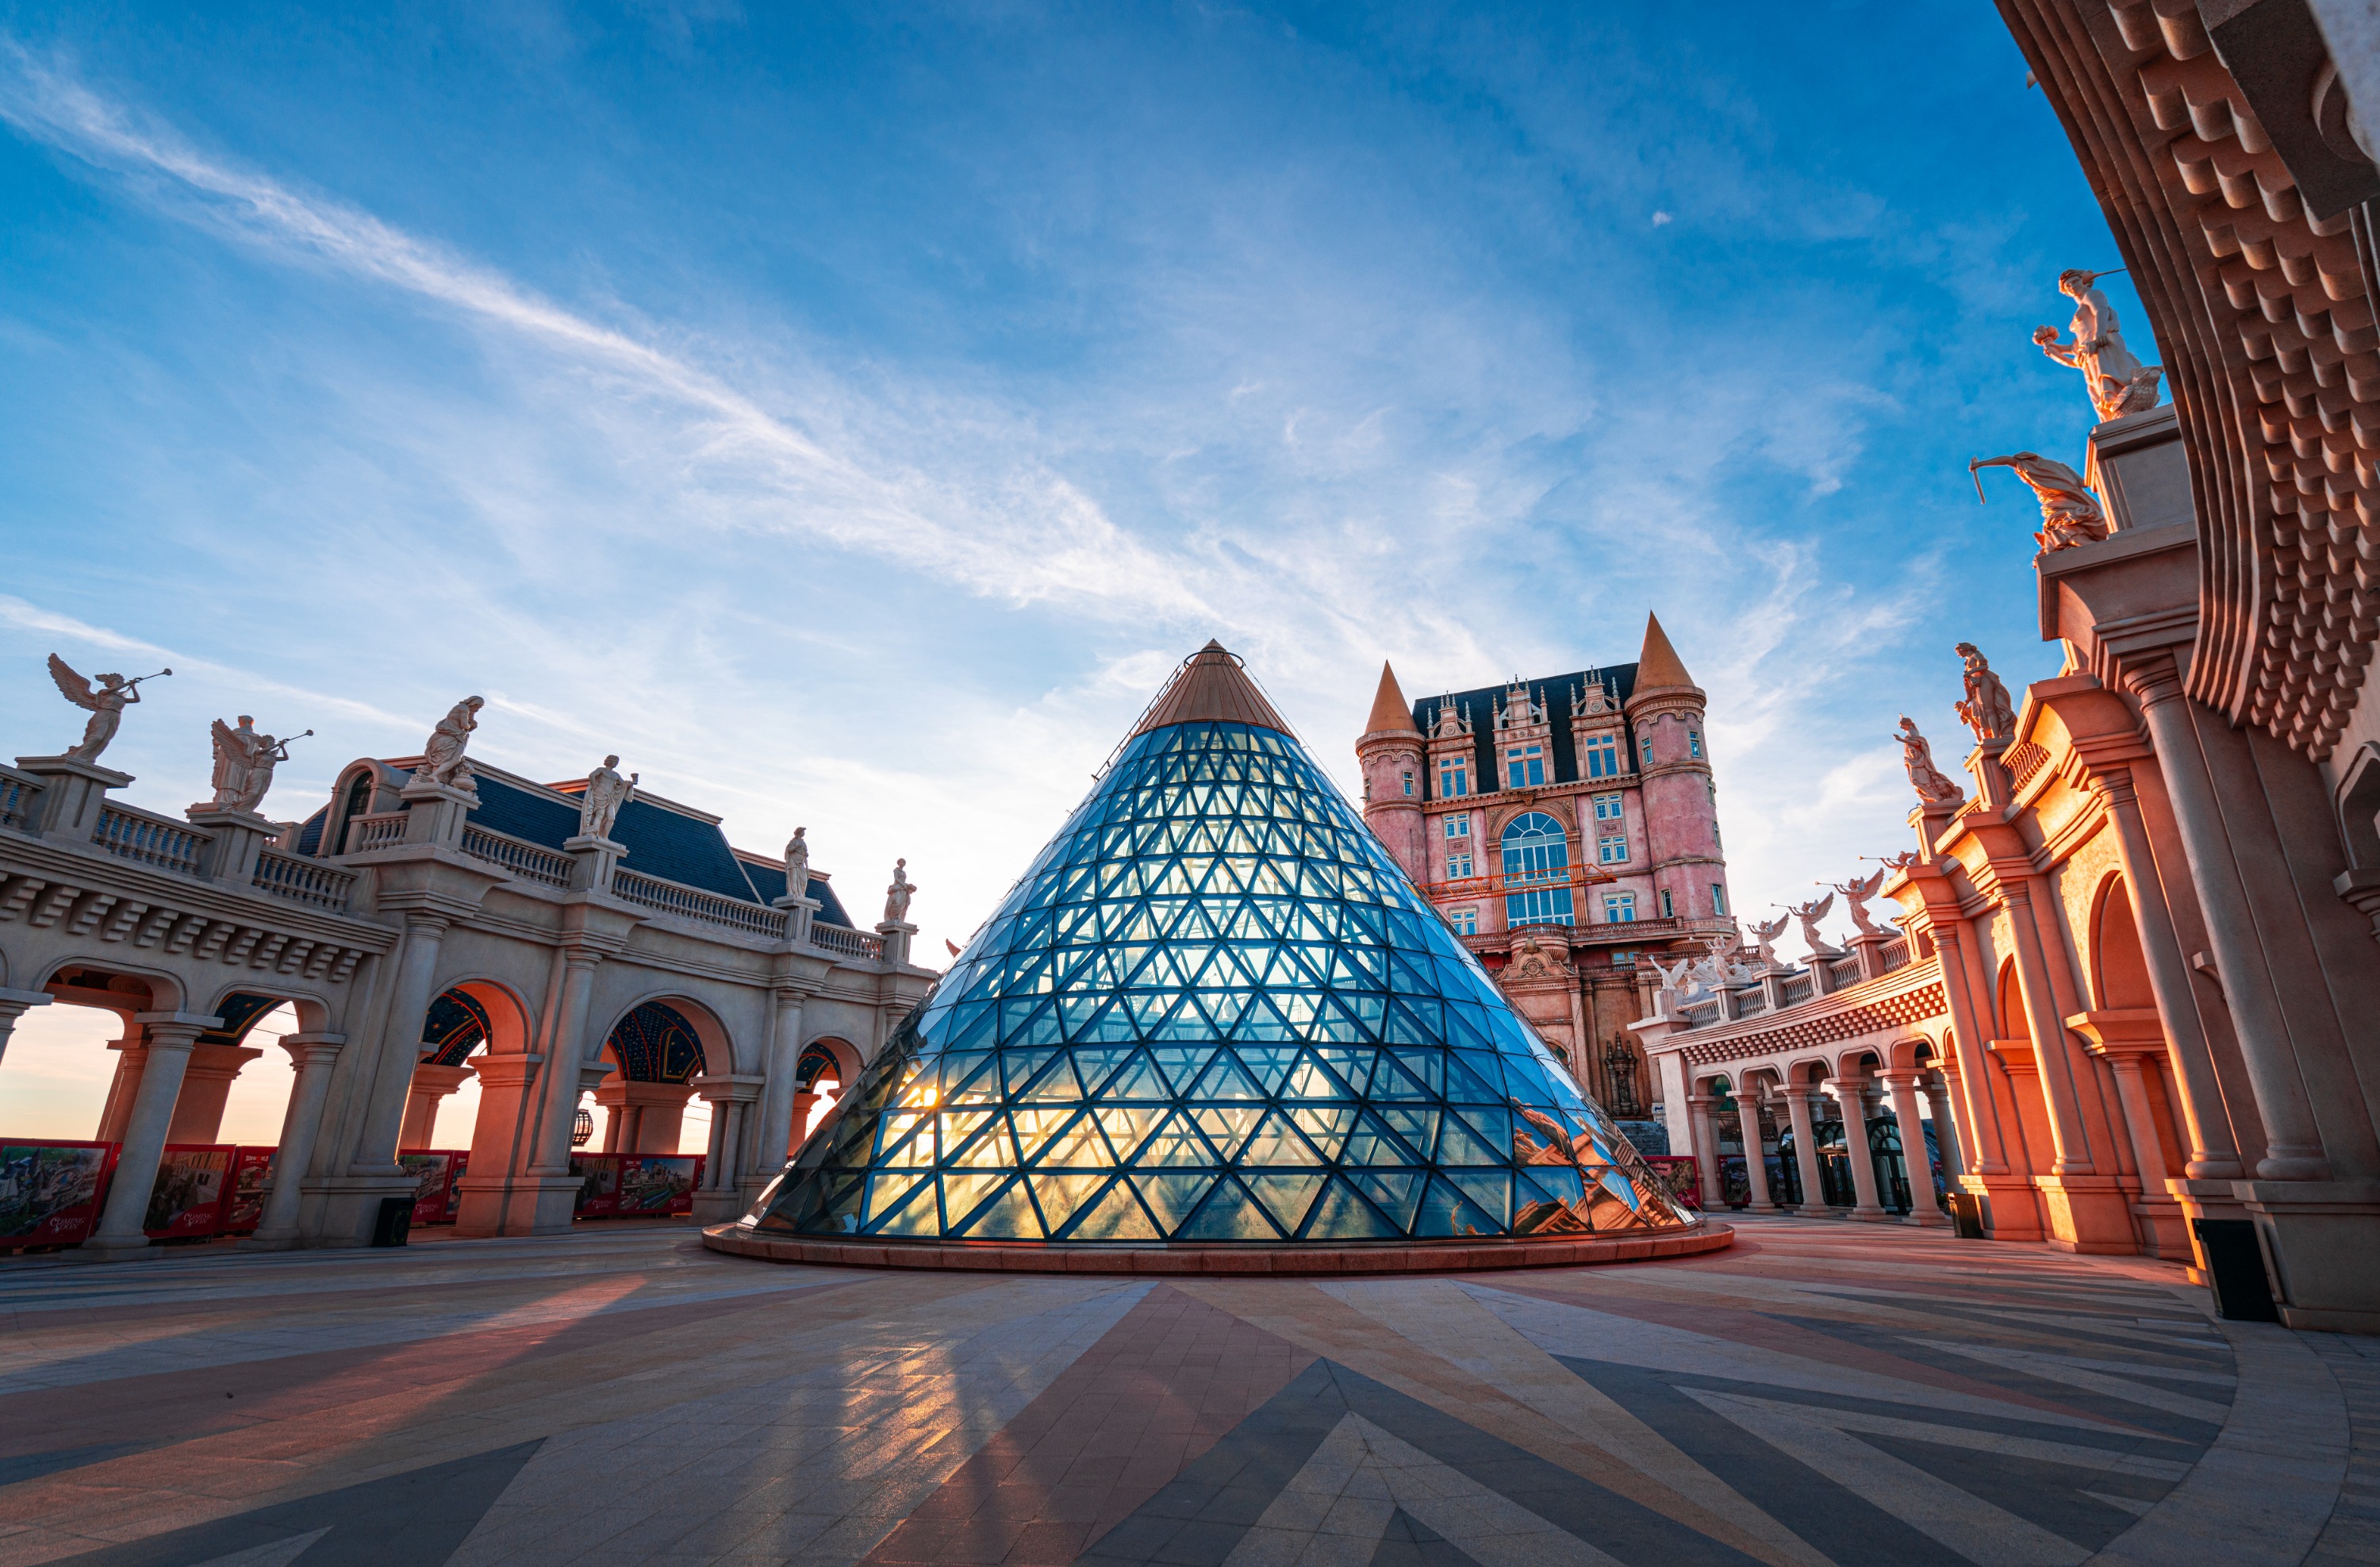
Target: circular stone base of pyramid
column 1209, row 1261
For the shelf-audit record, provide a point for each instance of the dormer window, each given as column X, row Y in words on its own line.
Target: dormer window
column 1454, row 778
column 1603, row 756
column 1524, row 767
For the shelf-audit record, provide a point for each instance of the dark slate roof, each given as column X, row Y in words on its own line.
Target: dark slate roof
column 309, row 837
column 768, row 881
column 1619, row 679
column 660, row 843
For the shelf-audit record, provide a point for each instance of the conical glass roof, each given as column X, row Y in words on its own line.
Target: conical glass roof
column 1214, row 1010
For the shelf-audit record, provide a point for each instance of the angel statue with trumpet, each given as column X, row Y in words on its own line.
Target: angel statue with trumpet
column 105, row 705
column 244, row 764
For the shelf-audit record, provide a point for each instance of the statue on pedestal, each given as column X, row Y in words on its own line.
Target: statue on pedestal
column 1917, row 756
column 441, row 755
column 1856, row 892
column 1987, row 710
column 798, row 864
column 1766, row 936
column 244, row 764
column 105, row 705
column 2118, row 382
column 599, row 807
column 2071, row 515
column 896, row 896
column 1809, row 913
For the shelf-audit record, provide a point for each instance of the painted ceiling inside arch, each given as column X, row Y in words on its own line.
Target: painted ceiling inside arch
column 1214, row 1010
column 656, row 1044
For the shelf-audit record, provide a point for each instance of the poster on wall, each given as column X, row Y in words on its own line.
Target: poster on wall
column 431, row 1174
column 251, row 1169
column 598, row 1184
column 458, row 1164
column 187, row 1200
column 1677, row 1172
column 655, row 1185
column 50, row 1192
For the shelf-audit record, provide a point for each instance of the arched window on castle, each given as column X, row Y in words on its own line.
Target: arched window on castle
column 1537, row 871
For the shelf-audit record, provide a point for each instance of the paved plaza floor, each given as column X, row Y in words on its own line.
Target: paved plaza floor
column 1823, row 1392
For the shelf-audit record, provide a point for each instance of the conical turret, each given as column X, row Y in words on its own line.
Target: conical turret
column 1213, row 1010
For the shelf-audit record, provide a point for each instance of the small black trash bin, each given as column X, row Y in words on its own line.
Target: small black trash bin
column 395, row 1222
column 2235, row 1269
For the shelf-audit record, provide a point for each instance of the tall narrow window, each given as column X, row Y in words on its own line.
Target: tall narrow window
column 1718, row 899
column 1537, row 871
column 1648, row 746
column 1694, row 744
column 1668, row 909
column 1408, row 781
column 1524, row 767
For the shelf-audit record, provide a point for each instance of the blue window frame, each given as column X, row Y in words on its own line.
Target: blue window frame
column 1603, row 756
column 1464, row 920
column 1453, row 779
column 1524, row 767
column 1619, row 908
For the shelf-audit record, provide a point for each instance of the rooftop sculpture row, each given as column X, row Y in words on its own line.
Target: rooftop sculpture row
column 245, row 759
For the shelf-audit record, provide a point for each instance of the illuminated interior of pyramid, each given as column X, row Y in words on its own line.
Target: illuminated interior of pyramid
column 1214, row 1010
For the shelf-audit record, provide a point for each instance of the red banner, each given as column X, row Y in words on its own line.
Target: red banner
column 50, row 1191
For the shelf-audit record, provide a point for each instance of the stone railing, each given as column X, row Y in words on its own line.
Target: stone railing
column 20, row 800
column 693, row 902
column 1699, row 1014
column 851, row 943
column 1750, row 1003
column 303, row 880
column 1843, row 973
column 382, row 832
column 1797, row 989
column 530, row 862
column 148, row 839
column 1895, row 954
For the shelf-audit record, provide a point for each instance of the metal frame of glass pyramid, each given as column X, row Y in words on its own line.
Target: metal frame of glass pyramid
column 1215, row 1013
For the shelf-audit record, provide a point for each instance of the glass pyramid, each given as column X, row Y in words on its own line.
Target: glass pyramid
column 1214, row 1010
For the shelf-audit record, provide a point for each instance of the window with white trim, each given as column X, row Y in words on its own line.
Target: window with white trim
column 1603, row 756
column 1607, row 808
column 1611, row 851
column 1668, row 909
column 1718, row 899
column 1619, row 908
column 1454, row 778
column 1407, row 776
column 1648, row 746
column 1464, row 920
column 1524, row 767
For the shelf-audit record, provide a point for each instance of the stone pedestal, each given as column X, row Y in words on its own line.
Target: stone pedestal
column 434, row 812
column 72, row 792
column 800, row 912
column 206, row 1084
column 896, row 942
column 237, row 835
column 595, row 859
column 432, row 1084
column 1869, row 950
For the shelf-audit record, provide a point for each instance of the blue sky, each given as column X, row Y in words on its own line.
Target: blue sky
column 848, row 416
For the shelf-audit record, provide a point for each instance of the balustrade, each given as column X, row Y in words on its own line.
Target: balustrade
column 303, row 880
column 693, row 902
column 21, row 801
column 382, row 832
column 149, row 839
column 530, row 862
column 853, row 943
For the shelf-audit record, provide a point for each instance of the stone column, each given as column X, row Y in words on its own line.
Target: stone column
column 2214, row 1155
column 2053, row 1058
column 781, row 1110
column 1946, row 1129
column 206, row 1086
column 432, row 1083
column 1755, row 1162
column 567, row 1051
column 1968, row 1034
column 735, row 1100
column 169, row 1035
column 1805, row 1150
column 13, row 1006
column 1706, row 1152
column 399, row 1052
column 2293, row 1144
column 312, row 1055
column 1923, row 1208
column 124, row 1086
column 646, row 1117
column 1851, row 1094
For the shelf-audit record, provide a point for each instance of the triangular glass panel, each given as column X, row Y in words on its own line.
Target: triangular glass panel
column 1172, row 1197
column 1287, row 1197
column 1116, row 1215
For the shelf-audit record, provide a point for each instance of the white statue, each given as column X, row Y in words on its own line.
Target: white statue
column 1766, row 936
column 1987, row 710
column 1678, row 980
column 1900, row 862
column 896, row 896
column 442, row 754
column 1856, row 892
column 606, row 792
column 1917, row 756
column 105, row 705
column 2116, row 382
column 798, row 864
column 1809, row 913
column 244, row 764
column 2071, row 515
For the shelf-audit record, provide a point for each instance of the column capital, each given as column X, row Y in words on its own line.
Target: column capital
column 14, row 1002
column 427, row 922
column 2154, row 679
column 174, row 1030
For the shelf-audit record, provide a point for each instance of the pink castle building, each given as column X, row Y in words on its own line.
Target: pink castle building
column 1565, row 827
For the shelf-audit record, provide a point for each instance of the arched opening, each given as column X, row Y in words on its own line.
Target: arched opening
column 72, row 1080
column 828, row 1066
column 647, row 1159
column 445, row 1114
column 1537, row 871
